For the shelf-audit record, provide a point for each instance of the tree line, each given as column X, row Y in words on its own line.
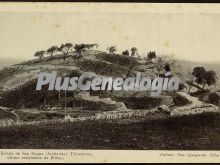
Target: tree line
column 65, row 49
column 133, row 50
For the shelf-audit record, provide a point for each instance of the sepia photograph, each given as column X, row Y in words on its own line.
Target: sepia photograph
column 136, row 77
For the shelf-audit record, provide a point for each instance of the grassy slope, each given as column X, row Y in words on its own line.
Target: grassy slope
column 101, row 64
column 198, row 132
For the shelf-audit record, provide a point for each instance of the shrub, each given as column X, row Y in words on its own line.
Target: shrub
column 179, row 100
column 214, row 98
column 139, row 102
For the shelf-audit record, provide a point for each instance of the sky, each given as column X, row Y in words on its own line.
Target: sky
column 188, row 36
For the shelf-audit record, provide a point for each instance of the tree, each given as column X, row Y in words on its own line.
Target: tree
column 52, row 50
column 204, row 77
column 65, row 48
column 151, row 55
column 199, row 74
column 40, row 54
column 125, row 53
column 210, row 78
column 134, row 51
column 167, row 68
column 80, row 48
column 112, row 49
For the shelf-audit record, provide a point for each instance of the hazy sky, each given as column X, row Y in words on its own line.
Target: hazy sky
column 186, row 36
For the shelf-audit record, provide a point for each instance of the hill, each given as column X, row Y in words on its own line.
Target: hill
column 5, row 62
column 95, row 119
column 18, row 79
column 18, row 86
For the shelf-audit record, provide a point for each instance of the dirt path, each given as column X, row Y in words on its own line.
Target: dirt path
column 195, row 107
column 195, row 101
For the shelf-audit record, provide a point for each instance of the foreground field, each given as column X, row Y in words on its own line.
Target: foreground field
column 186, row 132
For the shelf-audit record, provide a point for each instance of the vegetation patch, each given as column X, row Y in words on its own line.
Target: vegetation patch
column 130, row 100
column 207, row 119
column 24, row 116
column 200, row 93
column 102, row 68
column 139, row 102
column 117, row 59
column 179, row 100
column 8, row 71
column 91, row 105
column 214, row 98
column 207, row 96
column 26, row 95
column 176, row 133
